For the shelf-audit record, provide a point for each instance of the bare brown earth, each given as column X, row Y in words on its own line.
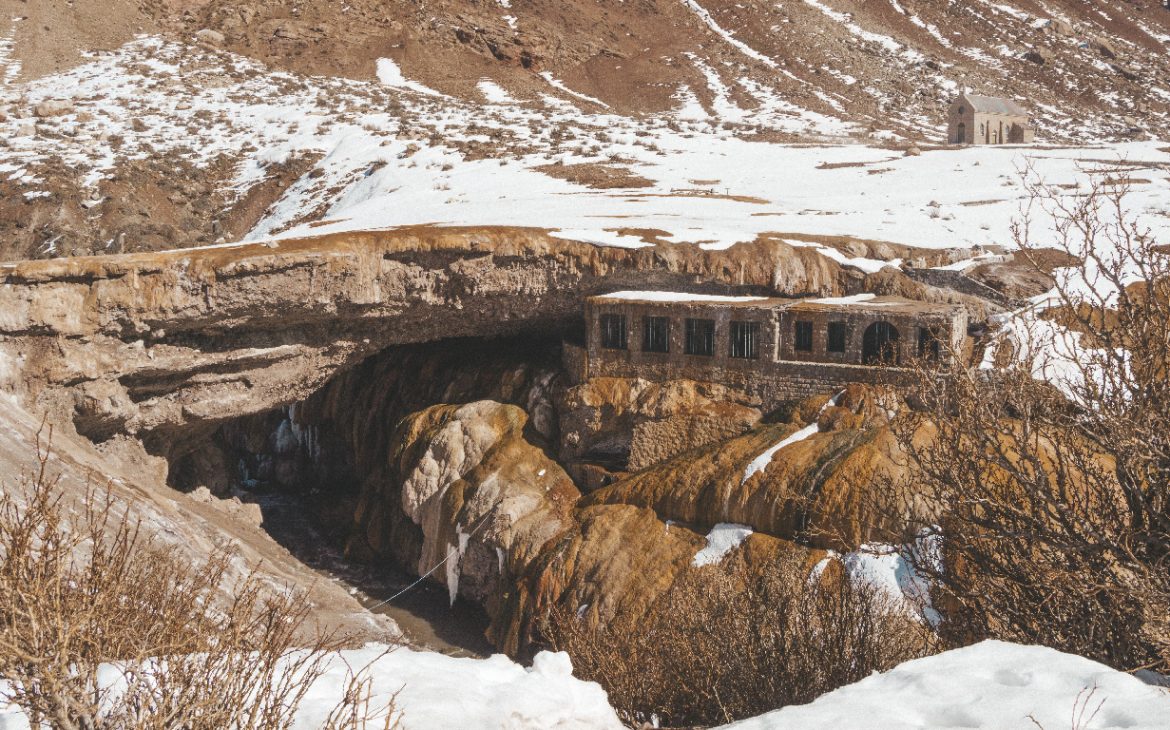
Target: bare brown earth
column 149, row 204
column 633, row 55
column 597, row 176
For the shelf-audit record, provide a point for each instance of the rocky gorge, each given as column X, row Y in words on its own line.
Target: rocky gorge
column 408, row 386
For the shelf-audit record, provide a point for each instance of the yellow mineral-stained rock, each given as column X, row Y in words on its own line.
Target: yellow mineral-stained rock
column 482, row 501
column 645, row 422
column 620, row 560
column 825, row 485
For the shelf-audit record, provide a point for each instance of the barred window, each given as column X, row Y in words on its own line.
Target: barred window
column 700, row 337
column 745, row 340
column 656, row 334
column 804, row 336
column 836, row 337
column 613, row 331
column 928, row 343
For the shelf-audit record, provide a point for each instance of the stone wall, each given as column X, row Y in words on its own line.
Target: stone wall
column 951, row 325
column 678, row 312
column 769, row 384
column 780, row 372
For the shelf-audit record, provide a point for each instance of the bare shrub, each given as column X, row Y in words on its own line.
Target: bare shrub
column 1055, row 526
column 718, row 646
column 103, row 628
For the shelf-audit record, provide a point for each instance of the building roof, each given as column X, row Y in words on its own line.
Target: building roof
column 994, row 105
column 856, row 302
column 687, row 299
column 673, row 296
column 872, row 304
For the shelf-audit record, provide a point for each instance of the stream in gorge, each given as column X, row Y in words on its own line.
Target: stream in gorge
column 424, row 612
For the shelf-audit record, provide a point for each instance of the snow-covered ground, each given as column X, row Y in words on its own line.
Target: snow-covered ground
column 395, row 153
column 992, row 685
column 432, row 690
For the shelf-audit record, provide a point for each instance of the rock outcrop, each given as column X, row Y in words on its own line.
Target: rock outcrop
column 821, row 487
column 466, row 500
column 192, row 525
column 163, row 345
column 628, row 425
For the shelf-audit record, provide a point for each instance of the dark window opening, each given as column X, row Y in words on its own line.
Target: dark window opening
column 701, row 337
column 929, row 344
column 656, row 334
column 836, row 337
column 745, row 340
column 613, row 331
column 880, row 344
column 804, row 336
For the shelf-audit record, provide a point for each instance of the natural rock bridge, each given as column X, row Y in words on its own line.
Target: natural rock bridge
column 154, row 345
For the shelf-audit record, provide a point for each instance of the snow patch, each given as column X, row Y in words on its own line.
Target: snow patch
column 721, row 540
column 854, row 299
column 672, row 296
column 988, row 686
column 761, row 462
column 433, row 690
column 493, row 92
column 557, row 84
column 744, row 48
column 390, row 75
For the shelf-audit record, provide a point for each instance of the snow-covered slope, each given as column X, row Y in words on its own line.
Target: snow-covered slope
column 379, row 155
column 431, row 691
column 1089, row 68
column 992, row 685
column 438, row 691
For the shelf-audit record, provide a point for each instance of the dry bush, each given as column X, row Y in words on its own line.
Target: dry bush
column 1055, row 526
column 716, row 647
column 101, row 627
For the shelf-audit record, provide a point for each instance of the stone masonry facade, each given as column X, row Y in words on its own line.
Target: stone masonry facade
column 774, row 350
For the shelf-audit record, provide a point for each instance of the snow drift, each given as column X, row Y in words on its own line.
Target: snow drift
column 990, row 685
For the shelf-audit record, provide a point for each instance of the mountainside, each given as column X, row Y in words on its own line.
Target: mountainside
column 132, row 126
column 1088, row 68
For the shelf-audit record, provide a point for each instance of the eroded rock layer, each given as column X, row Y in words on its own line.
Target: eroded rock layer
column 161, row 345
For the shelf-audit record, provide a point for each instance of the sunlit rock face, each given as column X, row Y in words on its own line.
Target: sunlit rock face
column 473, row 501
column 819, row 487
column 614, row 425
column 166, row 345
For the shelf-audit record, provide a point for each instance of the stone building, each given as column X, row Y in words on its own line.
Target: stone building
column 775, row 349
column 988, row 120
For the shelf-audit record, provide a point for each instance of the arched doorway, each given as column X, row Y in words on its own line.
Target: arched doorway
column 961, row 136
column 879, row 344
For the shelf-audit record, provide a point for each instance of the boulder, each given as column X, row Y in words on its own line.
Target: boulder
column 210, row 37
column 1038, row 56
column 1125, row 71
column 1105, row 47
column 53, row 108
